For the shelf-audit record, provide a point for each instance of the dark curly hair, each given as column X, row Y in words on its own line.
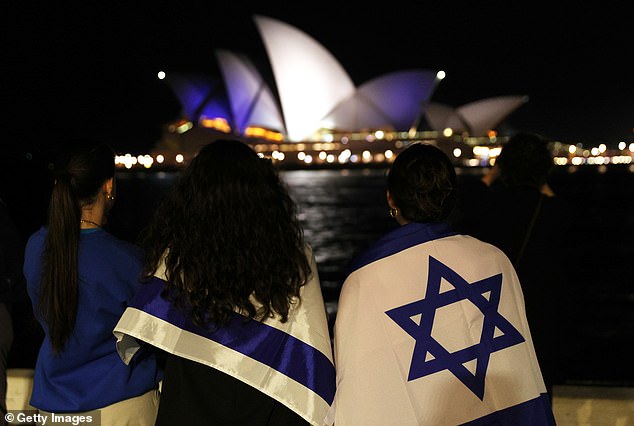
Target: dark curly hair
column 228, row 232
column 525, row 160
column 422, row 183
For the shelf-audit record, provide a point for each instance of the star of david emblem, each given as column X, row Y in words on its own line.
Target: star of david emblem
column 430, row 356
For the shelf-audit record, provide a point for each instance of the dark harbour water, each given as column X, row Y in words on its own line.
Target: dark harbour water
column 343, row 211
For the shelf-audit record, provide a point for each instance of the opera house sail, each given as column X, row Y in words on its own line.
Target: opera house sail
column 251, row 100
column 310, row 81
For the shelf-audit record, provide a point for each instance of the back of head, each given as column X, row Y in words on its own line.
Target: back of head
column 80, row 171
column 230, row 232
column 85, row 166
column 525, row 160
column 422, row 183
column 229, row 188
column 227, row 167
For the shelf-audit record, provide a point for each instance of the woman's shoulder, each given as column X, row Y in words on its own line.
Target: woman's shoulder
column 117, row 246
column 464, row 243
column 36, row 238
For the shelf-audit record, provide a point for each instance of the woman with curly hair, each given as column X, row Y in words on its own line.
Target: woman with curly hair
column 233, row 298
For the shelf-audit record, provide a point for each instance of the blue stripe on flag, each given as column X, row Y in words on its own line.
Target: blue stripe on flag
column 268, row 345
column 402, row 238
column 535, row 412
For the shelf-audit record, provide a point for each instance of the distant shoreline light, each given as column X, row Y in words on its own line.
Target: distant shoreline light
column 370, row 150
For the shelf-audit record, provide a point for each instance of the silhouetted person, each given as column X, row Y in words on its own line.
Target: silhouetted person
column 514, row 208
column 11, row 282
column 20, row 334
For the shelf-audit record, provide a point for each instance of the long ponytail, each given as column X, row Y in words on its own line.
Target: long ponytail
column 75, row 186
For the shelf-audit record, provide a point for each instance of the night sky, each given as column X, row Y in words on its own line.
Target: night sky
column 92, row 69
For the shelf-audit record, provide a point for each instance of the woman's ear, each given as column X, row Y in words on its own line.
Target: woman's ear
column 390, row 201
column 108, row 187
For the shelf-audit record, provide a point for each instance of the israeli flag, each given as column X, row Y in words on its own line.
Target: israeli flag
column 291, row 362
column 431, row 330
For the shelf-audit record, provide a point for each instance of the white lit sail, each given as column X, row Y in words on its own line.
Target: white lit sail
column 487, row 114
column 310, row 81
column 476, row 118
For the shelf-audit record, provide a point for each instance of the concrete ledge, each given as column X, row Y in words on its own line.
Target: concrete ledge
column 19, row 386
column 573, row 405
column 593, row 405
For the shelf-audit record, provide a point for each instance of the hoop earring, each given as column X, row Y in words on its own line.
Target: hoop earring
column 393, row 212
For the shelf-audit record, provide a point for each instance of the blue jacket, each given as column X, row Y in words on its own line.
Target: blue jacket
column 89, row 374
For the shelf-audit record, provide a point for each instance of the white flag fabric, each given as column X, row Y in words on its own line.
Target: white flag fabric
column 291, row 362
column 431, row 330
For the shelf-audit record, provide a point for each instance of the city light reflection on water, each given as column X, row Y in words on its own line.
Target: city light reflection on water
column 341, row 212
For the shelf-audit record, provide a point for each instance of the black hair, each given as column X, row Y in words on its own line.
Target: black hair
column 229, row 238
column 525, row 160
column 422, row 183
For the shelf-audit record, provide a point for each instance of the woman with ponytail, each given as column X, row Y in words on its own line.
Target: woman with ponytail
column 80, row 278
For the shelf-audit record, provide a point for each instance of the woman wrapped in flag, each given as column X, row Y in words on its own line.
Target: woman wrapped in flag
column 431, row 327
column 233, row 299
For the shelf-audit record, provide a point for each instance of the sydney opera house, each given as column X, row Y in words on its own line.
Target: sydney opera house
column 314, row 114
